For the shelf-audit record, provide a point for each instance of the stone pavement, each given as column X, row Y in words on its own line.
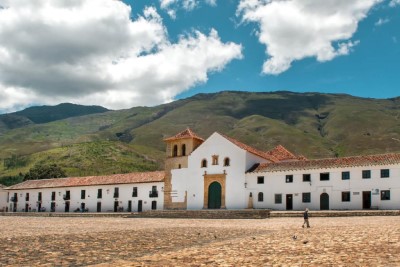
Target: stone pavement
column 342, row 241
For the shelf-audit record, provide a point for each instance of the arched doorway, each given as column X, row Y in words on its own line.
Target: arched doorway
column 214, row 196
column 324, row 201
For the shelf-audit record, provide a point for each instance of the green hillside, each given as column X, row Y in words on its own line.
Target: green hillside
column 312, row 124
column 44, row 114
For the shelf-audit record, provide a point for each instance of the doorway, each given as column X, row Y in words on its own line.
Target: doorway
column 26, row 207
column 366, row 199
column 214, row 196
column 289, row 201
column 98, row 207
column 115, row 206
column 140, row 206
column 129, row 205
column 154, row 205
column 66, row 206
column 324, row 201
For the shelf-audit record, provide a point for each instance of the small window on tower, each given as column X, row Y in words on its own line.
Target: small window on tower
column 204, row 163
column 215, row 160
column 227, row 162
column 175, row 152
column 183, row 150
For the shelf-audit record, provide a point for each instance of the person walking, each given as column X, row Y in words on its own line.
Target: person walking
column 306, row 219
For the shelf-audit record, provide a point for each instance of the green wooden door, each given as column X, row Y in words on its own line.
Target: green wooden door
column 214, row 196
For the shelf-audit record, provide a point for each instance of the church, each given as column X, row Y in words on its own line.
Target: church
column 222, row 173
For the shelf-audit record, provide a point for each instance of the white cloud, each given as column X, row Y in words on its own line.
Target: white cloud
column 394, row 3
column 171, row 6
column 91, row 52
column 381, row 21
column 211, row 2
column 295, row 29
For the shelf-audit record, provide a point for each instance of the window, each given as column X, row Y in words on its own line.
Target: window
column 175, row 151
column 153, row 192
column 116, row 192
column 307, row 197
column 346, row 196
column 204, row 163
column 366, row 174
column 306, row 177
column 289, row 178
column 260, row 197
column 83, row 194
column 278, row 198
column 215, row 160
column 385, row 195
column 183, row 150
column 53, row 196
column 154, row 205
column 39, row 198
column 27, row 197
column 227, row 162
column 260, row 179
column 385, row 173
column 345, row 175
column 324, row 176
column 99, row 193
column 134, row 192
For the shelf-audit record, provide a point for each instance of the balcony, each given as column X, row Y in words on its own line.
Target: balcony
column 153, row 194
column 14, row 199
column 116, row 195
column 66, row 197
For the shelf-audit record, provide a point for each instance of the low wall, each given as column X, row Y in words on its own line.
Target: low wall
column 335, row 213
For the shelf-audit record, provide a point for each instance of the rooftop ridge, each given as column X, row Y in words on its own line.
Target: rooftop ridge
column 353, row 161
column 126, row 178
column 250, row 149
column 188, row 133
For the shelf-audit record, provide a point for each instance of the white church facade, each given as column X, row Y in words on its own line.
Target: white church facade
column 223, row 173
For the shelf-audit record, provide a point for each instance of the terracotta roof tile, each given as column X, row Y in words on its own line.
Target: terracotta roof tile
column 251, row 149
column 282, row 153
column 358, row 161
column 188, row 133
column 128, row 178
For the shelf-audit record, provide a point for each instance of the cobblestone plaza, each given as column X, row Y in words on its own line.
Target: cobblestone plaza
column 340, row 241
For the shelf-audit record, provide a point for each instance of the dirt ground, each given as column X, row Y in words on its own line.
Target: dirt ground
column 343, row 241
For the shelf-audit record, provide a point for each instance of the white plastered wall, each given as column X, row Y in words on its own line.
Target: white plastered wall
column 91, row 200
column 191, row 179
column 275, row 183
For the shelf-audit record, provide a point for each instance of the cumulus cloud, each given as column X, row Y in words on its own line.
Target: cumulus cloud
column 171, row 6
column 295, row 29
column 92, row 52
column 381, row 21
column 394, row 3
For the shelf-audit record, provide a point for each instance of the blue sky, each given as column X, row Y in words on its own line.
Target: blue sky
column 371, row 69
column 149, row 52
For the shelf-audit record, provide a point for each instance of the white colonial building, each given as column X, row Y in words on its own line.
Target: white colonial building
column 223, row 173
column 114, row 193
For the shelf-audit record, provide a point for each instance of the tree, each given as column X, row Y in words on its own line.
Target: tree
column 44, row 172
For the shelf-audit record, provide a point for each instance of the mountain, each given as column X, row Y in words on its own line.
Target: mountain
column 311, row 124
column 44, row 114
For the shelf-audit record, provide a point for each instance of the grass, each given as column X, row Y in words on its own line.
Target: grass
column 315, row 125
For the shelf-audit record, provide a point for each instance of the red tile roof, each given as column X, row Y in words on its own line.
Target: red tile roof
column 188, row 133
column 358, row 161
column 251, row 149
column 282, row 153
column 128, row 178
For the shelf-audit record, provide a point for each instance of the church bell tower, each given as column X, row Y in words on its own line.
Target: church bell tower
column 179, row 147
